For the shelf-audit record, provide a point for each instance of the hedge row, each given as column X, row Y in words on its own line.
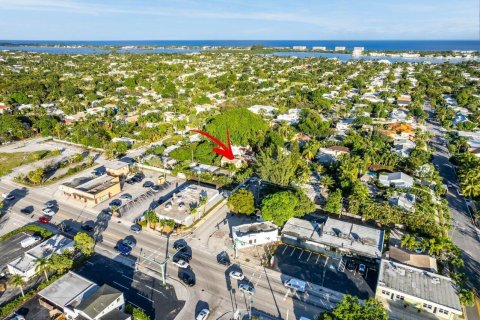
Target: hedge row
column 37, row 230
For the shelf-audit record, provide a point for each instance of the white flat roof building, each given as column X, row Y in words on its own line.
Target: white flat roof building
column 405, row 285
column 247, row 235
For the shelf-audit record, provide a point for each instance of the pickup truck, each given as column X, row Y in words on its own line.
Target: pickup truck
column 295, row 284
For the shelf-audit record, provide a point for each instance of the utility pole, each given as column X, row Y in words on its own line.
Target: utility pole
column 161, row 264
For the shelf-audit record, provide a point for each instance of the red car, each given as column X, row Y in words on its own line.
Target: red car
column 44, row 219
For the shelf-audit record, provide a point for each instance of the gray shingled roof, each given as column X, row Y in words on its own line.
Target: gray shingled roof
column 99, row 300
column 419, row 283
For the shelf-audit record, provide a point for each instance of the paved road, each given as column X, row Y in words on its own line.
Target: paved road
column 213, row 284
column 464, row 235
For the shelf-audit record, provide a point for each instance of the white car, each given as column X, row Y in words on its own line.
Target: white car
column 202, row 315
column 181, row 264
column 48, row 212
column 236, row 275
column 9, row 197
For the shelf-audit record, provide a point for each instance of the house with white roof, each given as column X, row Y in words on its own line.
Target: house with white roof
column 263, row 110
column 292, row 117
column 406, row 201
column 403, row 147
column 403, row 288
column 397, row 179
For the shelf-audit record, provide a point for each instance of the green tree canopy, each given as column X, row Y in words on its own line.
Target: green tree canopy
column 349, row 308
column 281, row 206
column 242, row 201
column 84, row 242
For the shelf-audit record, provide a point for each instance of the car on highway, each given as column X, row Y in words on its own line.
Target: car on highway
column 129, row 242
column 155, row 188
column 123, row 249
column 181, row 263
column 44, row 219
column 295, row 284
column 246, row 288
column 187, row 278
column 184, row 255
column 148, row 184
column 126, row 196
column 362, row 268
column 50, row 204
column 223, row 258
column 180, row 245
column 203, row 314
column 237, row 275
column 9, row 197
column 48, row 212
column 27, row 210
column 136, row 228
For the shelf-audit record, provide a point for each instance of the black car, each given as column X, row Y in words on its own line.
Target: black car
column 87, row 227
column 351, row 265
column 182, row 255
column 148, row 184
column 187, row 278
column 136, row 228
column 180, row 245
column 223, row 258
column 27, row 210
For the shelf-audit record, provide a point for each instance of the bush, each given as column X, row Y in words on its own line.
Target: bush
column 37, row 230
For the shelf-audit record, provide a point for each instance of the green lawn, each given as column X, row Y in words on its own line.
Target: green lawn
column 15, row 159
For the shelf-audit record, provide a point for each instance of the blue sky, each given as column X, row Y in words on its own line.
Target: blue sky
column 238, row 19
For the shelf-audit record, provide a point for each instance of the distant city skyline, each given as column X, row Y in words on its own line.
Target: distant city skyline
column 236, row 20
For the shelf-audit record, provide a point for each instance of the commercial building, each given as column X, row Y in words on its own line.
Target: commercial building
column 82, row 299
column 92, row 191
column 405, row 287
column 185, row 205
column 252, row 234
column 334, row 237
column 117, row 168
column 26, row 264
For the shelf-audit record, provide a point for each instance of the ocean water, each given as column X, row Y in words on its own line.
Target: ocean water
column 390, row 45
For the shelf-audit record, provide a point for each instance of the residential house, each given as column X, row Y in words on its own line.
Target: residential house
column 344, row 124
column 252, row 234
column 397, row 179
column 402, row 288
column 330, row 154
column 403, row 147
column 406, row 201
column 292, row 117
column 404, row 100
column 399, row 115
column 82, row 299
column 263, row 110
column 459, row 118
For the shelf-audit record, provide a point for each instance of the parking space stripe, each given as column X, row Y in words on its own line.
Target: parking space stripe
column 141, row 295
column 300, row 256
column 309, row 255
column 318, row 257
column 121, row 285
column 284, row 249
column 291, row 254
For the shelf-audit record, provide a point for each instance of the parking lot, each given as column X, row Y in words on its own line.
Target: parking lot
column 326, row 271
column 11, row 248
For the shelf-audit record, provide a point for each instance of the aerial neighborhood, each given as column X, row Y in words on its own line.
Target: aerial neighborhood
column 353, row 186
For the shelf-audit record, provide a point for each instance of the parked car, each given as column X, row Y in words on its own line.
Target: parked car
column 155, row 188
column 203, row 314
column 129, row 243
column 351, row 265
column 238, row 275
column 87, row 227
column 64, row 227
column 181, row 256
column 123, row 249
column 136, row 228
column 27, row 242
column 148, row 184
column 126, row 196
column 44, row 219
column 48, row 212
column 246, row 288
column 362, row 269
column 9, row 197
column 115, row 203
column 295, row 284
column 179, row 245
column 187, row 278
column 181, row 263
column 17, row 317
column 27, row 210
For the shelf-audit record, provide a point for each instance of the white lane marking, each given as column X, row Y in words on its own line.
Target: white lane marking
column 291, row 254
column 128, row 278
column 121, row 285
column 141, row 295
column 153, row 289
column 284, row 249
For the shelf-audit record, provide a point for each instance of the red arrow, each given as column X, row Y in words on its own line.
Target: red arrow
column 223, row 150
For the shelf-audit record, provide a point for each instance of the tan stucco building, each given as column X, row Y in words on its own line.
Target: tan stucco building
column 93, row 191
column 117, row 168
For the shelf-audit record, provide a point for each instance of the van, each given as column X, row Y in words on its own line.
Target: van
column 27, row 242
column 295, row 284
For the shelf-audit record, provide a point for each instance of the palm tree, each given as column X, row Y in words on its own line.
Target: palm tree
column 43, row 265
column 409, row 241
column 18, row 281
column 327, row 181
column 470, row 180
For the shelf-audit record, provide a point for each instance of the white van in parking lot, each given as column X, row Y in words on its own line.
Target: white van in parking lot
column 27, row 242
column 295, row 284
